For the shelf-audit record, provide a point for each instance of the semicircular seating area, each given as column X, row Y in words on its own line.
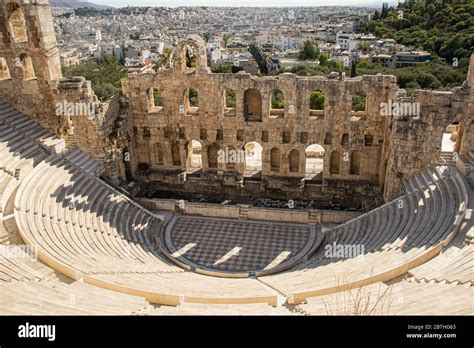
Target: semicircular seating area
column 82, row 228
column 403, row 298
column 86, row 230
column 390, row 240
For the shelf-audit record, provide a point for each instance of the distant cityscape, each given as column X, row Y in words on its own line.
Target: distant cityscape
column 139, row 36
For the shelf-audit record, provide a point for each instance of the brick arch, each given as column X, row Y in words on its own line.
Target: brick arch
column 294, row 161
column 4, row 70
column 253, row 105
column 335, row 162
column 16, row 23
column 27, row 68
column 212, row 156
column 199, row 46
column 176, row 154
column 275, row 159
column 355, row 165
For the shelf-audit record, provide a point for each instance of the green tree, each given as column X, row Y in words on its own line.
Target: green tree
column 323, row 59
column 353, row 69
column 278, row 99
column 105, row 75
column 358, row 102
column 259, row 58
column 363, row 46
column 309, row 51
column 316, row 100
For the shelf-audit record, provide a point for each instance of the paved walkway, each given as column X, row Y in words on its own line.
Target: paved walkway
column 234, row 245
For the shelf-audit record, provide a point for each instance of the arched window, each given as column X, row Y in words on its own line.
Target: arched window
column 355, row 163
column 275, row 159
column 190, row 102
column 158, row 154
column 229, row 98
column 212, row 159
column 277, row 106
column 316, row 103
column 27, row 67
column 294, row 161
column 368, row 140
column 17, row 23
column 252, row 105
column 335, row 162
column 4, row 71
column 190, row 56
column 345, row 139
column 229, row 102
column 194, row 156
column 328, row 139
column 253, row 158
column 359, row 102
column 193, row 98
column 175, row 154
column 314, row 154
column 155, row 101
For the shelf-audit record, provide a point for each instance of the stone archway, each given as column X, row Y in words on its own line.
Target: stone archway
column 198, row 47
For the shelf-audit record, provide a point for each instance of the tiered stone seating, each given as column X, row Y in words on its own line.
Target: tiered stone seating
column 89, row 232
column 456, row 265
column 396, row 237
column 85, row 229
column 232, row 309
column 63, row 297
column 403, row 298
column 17, row 264
column 20, row 140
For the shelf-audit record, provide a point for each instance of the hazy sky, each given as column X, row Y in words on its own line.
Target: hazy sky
column 252, row 3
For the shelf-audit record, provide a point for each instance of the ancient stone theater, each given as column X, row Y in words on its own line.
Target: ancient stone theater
column 192, row 193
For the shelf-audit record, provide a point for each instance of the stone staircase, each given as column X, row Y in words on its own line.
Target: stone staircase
column 466, row 166
column 243, row 212
column 313, row 216
column 70, row 141
column 447, row 158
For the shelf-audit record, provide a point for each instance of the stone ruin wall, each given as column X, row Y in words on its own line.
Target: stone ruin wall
column 400, row 147
column 416, row 144
column 34, row 84
column 131, row 125
column 33, row 96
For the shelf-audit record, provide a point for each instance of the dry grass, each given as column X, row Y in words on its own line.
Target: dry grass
column 361, row 301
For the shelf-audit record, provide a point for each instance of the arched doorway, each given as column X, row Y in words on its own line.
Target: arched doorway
column 314, row 154
column 294, row 161
column 212, row 156
column 253, row 105
column 194, row 157
column 450, row 141
column 253, row 160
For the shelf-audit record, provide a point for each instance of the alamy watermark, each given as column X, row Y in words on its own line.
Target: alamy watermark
column 335, row 250
column 230, row 156
column 17, row 251
column 71, row 109
column 28, row 330
column 400, row 109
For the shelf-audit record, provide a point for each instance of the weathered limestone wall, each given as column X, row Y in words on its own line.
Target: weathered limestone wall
column 253, row 213
column 31, row 79
column 398, row 147
column 366, row 154
column 33, row 95
column 416, row 143
column 160, row 132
